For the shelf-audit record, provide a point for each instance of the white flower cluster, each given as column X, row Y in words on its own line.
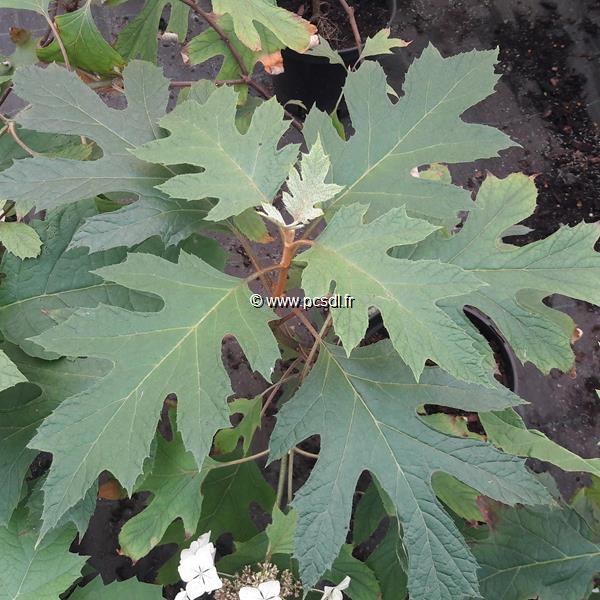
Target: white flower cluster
column 335, row 593
column 197, row 570
column 269, row 590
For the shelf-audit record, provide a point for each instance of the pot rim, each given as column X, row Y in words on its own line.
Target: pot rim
column 488, row 329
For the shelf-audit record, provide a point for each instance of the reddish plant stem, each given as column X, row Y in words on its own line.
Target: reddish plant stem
column 352, row 20
column 316, row 344
column 289, row 249
column 305, row 453
column 245, row 78
column 10, row 127
column 185, row 84
column 212, row 21
column 277, row 386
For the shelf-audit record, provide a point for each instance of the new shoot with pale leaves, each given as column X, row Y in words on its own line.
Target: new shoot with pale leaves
column 306, row 188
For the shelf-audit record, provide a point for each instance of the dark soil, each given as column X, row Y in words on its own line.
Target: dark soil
column 550, row 86
column 333, row 24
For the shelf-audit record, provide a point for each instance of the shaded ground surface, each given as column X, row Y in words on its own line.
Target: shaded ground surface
column 549, row 101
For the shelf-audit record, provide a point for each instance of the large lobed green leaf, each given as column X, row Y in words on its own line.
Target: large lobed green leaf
column 31, row 571
column 132, row 589
column 364, row 409
column 139, row 38
column 174, row 479
column 519, row 278
column 39, row 293
column 177, row 350
column 84, row 44
column 423, row 127
column 61, row 103
column 241, row 170
column 25, row 406
column 39, row 6
column 209, row 45
column 544, row 553
column 293, row 31
column 354, row 256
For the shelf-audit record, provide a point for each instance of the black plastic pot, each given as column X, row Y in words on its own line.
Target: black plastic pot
column 314, row 80
column 503, row 353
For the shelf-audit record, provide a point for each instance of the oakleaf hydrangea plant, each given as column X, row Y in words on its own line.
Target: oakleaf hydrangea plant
column 125, row 309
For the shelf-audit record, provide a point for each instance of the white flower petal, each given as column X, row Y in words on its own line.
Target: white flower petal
column 204, row 539
column 250, row 593
column 186, row 554
column 195, row 588
column 205, row 558
column 331, row 593
column 182, row 595
column 270, row 589
column 212, row 581
column 188, row 569
column 343, row 584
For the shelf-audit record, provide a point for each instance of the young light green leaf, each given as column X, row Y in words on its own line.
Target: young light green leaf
column 209, row 44
column 20, row 239
column 85, row 46
column 586, row 502
column 37, row 294
column 423, row 127
column 539, row 552
column 293, row 31
column 241, row 170
column 139, row 38
column 354, row 255
column 24, row 407
column 281, row 532
column 518, row 278
column 174, row 480
column 507, row 431
column 306, row 188
column 226, row 440
column 250, row 224
column 38, row 6
column 132, row 589
column 9, row 373
column 177, row 350
column 458, row 497
column 368, row 403
column 381, row 43
column 324, row 50
column 29, row 570
column 62, row 103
